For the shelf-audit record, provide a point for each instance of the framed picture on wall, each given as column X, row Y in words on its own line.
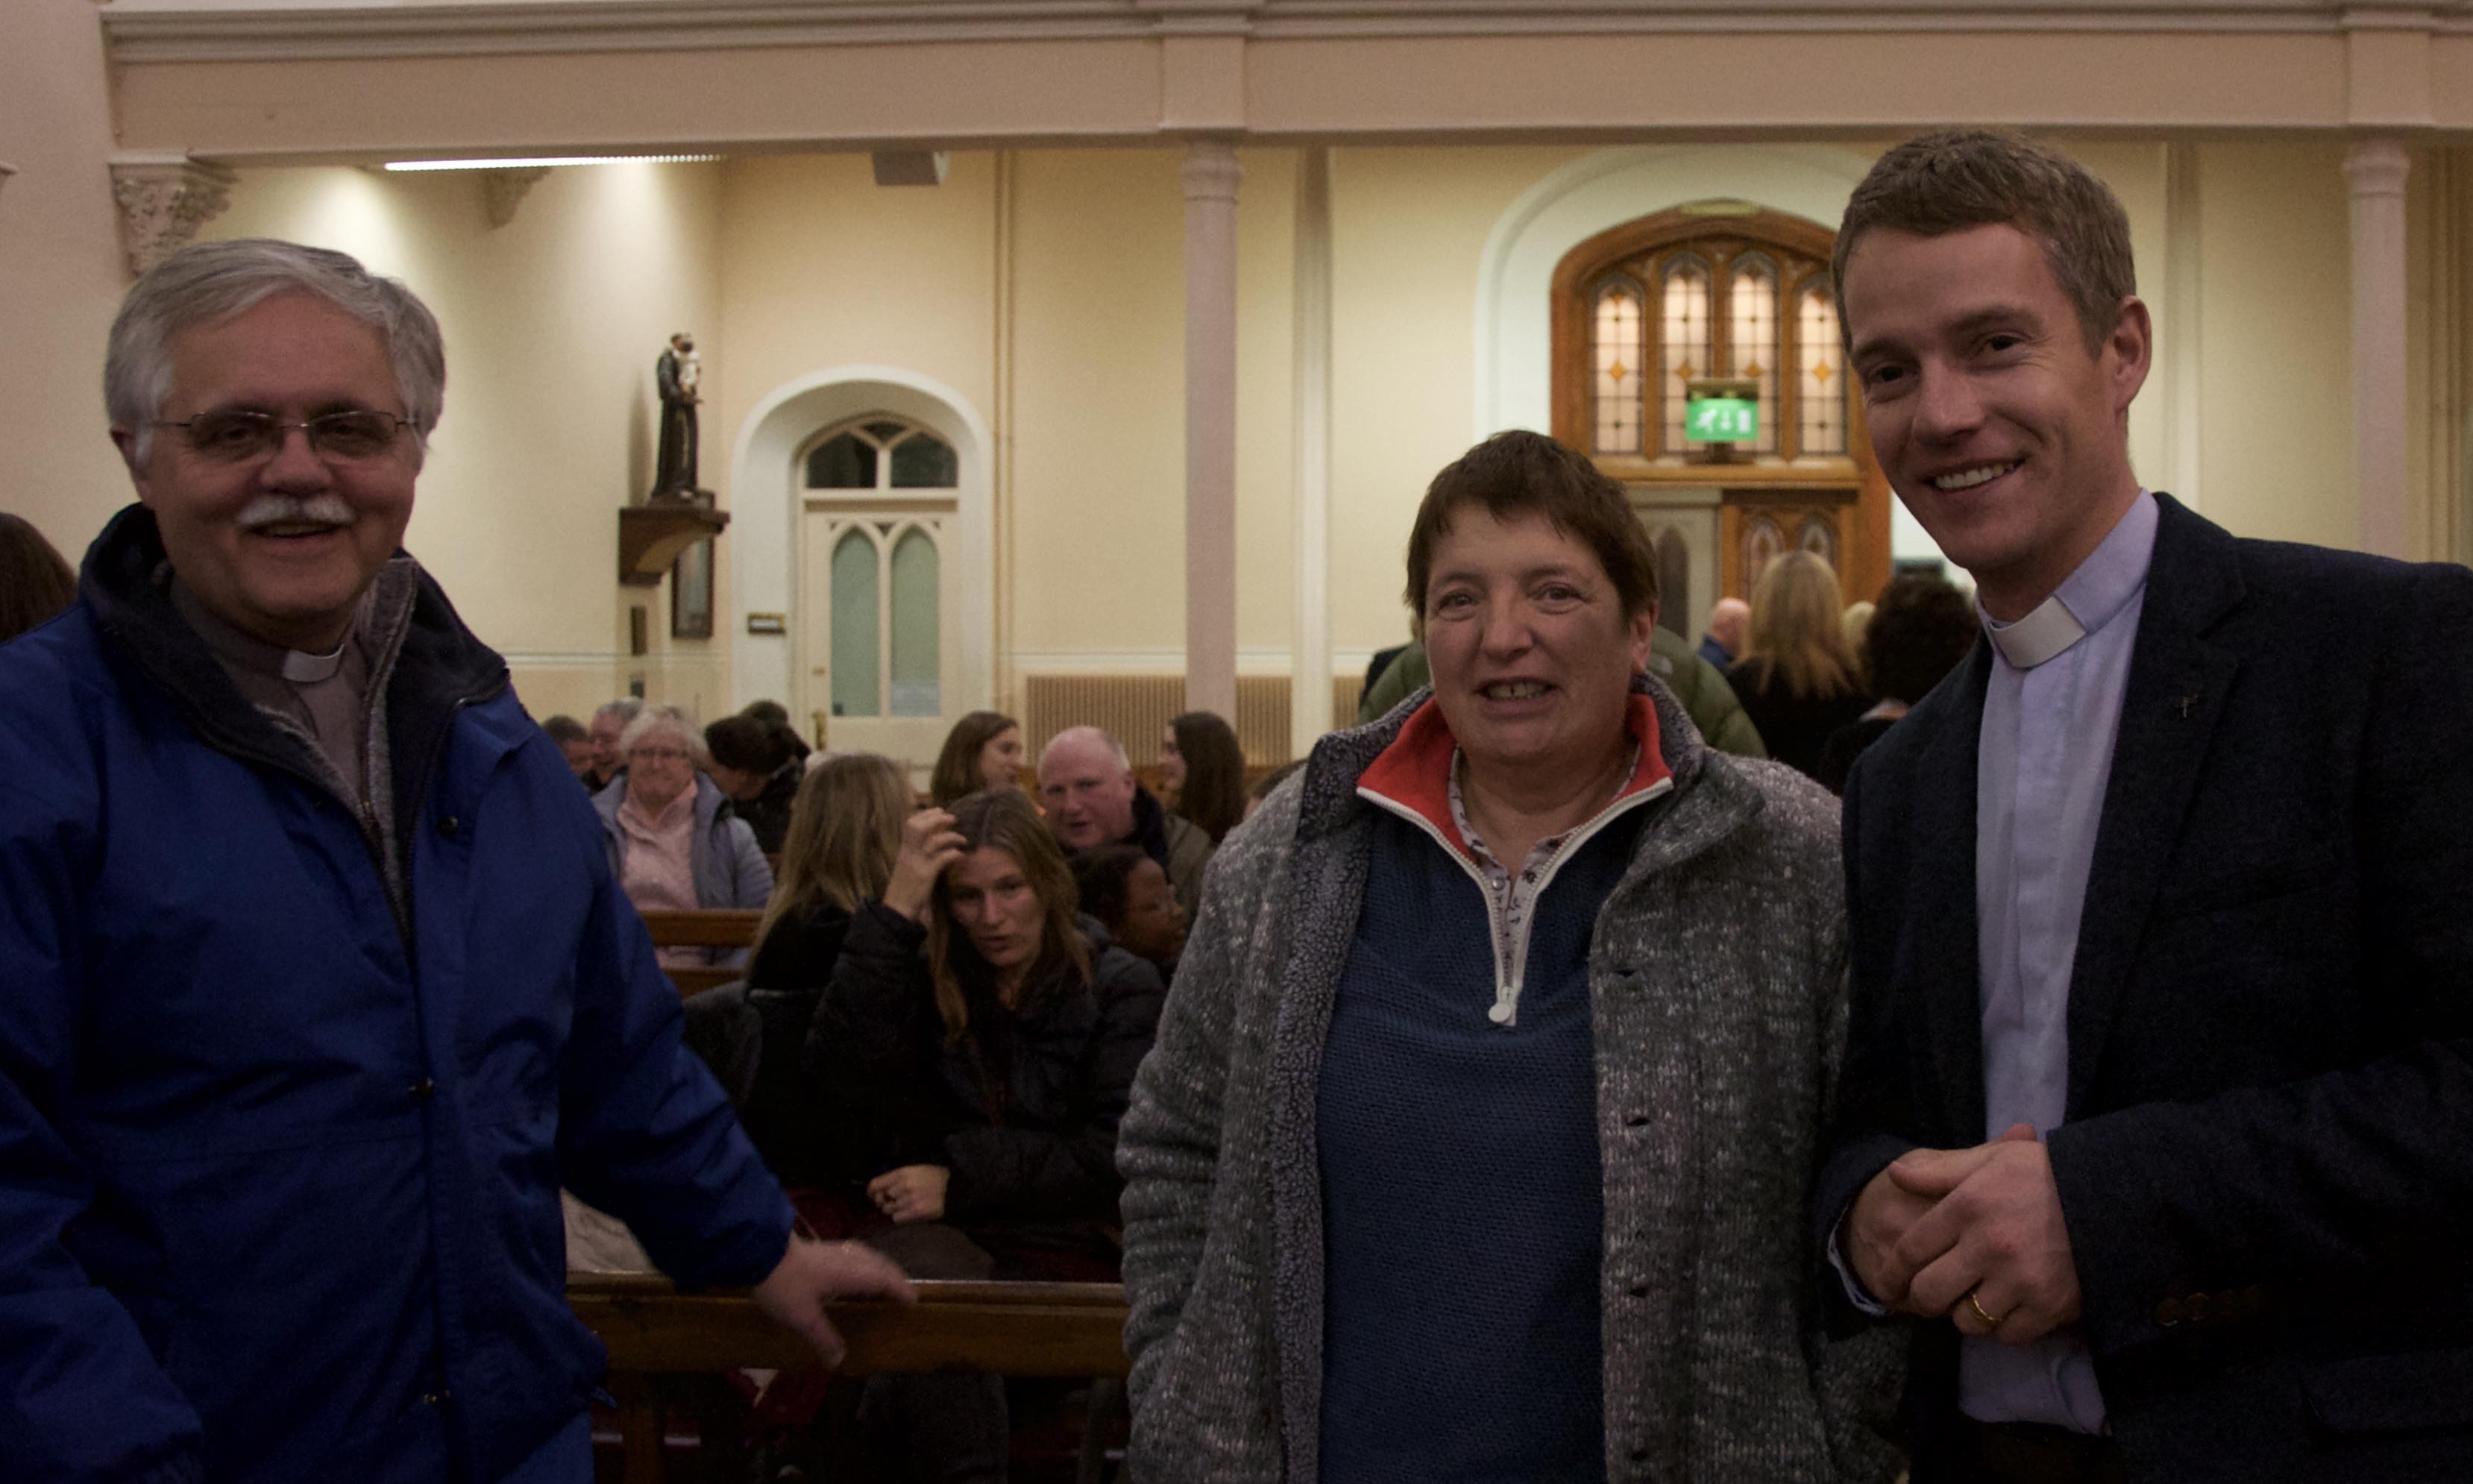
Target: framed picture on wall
column 691, row 593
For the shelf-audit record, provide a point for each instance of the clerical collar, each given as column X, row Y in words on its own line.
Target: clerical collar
column 302, row 668
column 238, row 647
column 2089, row 597
column 2042, row 635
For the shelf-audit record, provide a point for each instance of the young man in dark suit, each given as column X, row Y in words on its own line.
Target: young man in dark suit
column 2157, row 1112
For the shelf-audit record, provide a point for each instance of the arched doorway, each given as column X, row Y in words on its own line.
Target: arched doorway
column 901, row 463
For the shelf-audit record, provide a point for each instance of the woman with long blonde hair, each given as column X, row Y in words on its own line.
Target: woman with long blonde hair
column 1797, row 678
column 845, row 831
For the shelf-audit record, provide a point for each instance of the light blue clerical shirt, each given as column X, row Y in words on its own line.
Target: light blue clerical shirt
column 2049, row 718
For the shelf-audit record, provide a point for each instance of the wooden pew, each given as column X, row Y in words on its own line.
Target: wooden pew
column 652, row 1330
column 719, row 927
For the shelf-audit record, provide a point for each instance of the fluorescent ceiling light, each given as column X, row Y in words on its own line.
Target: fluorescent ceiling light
column 543, row 161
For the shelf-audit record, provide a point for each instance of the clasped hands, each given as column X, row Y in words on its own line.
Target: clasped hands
column 1972, row 1235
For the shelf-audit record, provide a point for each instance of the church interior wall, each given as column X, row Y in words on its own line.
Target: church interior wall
column 1408, row 230
column 2275, row 322
column 1096, row 517
column 60, row 276
column 1046, row 286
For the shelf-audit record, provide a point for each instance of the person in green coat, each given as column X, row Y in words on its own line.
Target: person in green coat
column 1704, row 693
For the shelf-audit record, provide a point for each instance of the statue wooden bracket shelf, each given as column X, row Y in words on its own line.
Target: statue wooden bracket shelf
column 651, row 536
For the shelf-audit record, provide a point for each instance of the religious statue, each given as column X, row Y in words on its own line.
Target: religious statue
column 676, row 374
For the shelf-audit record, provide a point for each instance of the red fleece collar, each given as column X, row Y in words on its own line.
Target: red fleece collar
column 1415, row 771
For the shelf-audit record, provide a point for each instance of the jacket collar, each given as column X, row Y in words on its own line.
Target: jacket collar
column 1710, row 800
column 1150, row 826
column 1413, row 773
column 125, row 583
column 710, row 802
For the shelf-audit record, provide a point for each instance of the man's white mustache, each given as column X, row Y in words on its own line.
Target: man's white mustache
column 269, row 510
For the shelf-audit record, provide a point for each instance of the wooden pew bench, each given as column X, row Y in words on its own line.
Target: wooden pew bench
column 1013, row 1328
column 717, row 927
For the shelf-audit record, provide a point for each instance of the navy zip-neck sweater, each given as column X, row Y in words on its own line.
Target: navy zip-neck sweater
column 1461, row 1181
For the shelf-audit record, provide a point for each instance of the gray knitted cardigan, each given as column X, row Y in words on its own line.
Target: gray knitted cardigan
column 1718, row 976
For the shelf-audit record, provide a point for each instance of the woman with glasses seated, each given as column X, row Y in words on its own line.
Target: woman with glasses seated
column 674, row 841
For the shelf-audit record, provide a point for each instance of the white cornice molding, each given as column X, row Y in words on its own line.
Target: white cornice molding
column 183, row 31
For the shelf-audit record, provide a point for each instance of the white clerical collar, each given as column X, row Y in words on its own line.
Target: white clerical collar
column 2042, row 635
column 302, row 668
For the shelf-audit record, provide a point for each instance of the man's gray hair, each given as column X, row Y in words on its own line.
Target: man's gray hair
column 653, row 720
column 624, row 708
column 214, row 280
column 1082, row 733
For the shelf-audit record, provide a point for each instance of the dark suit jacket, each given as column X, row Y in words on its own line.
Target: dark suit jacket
column 2267, row 1167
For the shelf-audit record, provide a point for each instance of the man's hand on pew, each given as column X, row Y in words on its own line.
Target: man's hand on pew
column 812, row 1274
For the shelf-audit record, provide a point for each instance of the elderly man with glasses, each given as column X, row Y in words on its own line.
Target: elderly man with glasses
column 316, row 981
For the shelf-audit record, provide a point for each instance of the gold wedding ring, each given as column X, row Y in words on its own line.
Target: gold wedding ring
column 1990, row 1321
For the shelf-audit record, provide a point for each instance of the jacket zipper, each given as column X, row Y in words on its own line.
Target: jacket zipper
column 1505, row 1008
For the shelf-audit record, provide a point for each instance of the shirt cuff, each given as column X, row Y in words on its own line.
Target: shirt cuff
column 1855, row 1294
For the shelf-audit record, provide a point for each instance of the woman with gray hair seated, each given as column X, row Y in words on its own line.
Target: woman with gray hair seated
column 1477, row 1135
column 674, row 841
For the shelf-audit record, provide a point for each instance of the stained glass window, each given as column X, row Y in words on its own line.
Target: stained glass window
column 1727, row 293
column 915, row 653
column 1618, row 358
column 855, row 672
column 1752, row 337
column 1684, row 341
column 1822, row 372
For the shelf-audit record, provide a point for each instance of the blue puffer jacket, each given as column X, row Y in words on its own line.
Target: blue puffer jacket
column 279, row 1177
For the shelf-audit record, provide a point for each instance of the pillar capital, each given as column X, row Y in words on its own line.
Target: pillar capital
column 163, row 200
column 2378, row 166
column 1211, row 172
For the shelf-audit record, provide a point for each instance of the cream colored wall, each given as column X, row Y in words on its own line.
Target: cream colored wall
column 552, row 325
column 2276, row 321
column 2135, row 172
column 60, row 277
column 821, row 267
column 824, row 269
column 1408, row 227
column 1098, row 516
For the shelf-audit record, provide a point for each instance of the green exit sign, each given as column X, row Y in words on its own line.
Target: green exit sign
column 1721, row 420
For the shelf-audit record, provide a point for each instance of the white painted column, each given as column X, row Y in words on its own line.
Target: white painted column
column 1210, row 177
column 2179, row 329
column 1310, row 664
column 2377, row 169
